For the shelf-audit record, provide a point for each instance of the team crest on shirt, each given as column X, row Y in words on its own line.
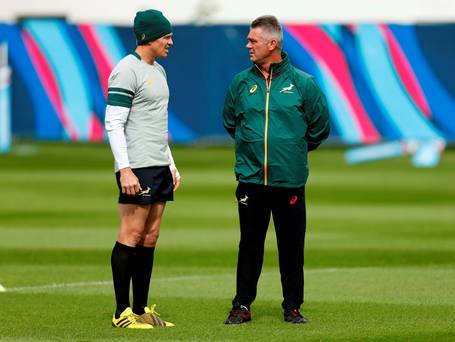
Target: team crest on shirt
column 253, row 89
column 149, row 83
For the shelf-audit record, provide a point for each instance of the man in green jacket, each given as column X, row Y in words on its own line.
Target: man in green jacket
column 276, row 114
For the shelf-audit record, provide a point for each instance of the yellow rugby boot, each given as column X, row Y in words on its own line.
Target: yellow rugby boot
column 129, row 320
column 152, row 317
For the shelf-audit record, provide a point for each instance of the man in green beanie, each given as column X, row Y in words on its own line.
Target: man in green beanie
column 137, row 126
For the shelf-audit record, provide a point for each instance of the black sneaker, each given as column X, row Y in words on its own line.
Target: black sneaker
column 294, row 316
column 239, row 314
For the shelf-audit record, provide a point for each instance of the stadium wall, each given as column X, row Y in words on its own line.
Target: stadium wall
column 383, row 81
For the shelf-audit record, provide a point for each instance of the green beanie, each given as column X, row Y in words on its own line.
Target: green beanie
column 150, row 25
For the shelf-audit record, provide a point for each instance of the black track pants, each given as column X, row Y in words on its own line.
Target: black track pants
column 287, row 206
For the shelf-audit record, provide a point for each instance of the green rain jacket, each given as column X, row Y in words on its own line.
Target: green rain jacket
column 274, row 123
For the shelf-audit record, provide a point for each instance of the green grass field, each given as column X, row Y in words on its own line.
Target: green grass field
column 380, row 250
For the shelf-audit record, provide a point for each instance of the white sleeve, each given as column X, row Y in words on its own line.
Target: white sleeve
column 172, row 163
column 115, row 120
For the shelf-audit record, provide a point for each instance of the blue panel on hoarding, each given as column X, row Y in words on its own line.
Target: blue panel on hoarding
column 437, row 43
column 125, row 36
column 441, row 103
column 200, row 67
column 5, row 108
column 33, row 116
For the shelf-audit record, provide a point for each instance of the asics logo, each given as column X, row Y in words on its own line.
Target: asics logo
column 244, row 200
column 287, row 90
column 293, row 200
column 145, row 192
column 253, row 88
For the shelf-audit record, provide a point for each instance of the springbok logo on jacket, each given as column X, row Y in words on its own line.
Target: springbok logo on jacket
column 287, row 90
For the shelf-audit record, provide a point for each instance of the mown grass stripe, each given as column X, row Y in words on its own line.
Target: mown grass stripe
column 109, row 282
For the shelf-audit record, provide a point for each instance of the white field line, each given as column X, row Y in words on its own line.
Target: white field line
column 109, row 282
column 102, row 283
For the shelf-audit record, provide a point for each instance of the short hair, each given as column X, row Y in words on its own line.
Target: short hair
column 272, row 26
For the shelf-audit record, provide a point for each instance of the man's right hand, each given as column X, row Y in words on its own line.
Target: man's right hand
column 129, row 182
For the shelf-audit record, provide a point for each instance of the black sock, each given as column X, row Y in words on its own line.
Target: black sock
column 142, row 272
column 122, row 259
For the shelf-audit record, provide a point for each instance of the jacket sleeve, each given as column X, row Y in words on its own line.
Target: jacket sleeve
column 229, row 112
column 317, row 115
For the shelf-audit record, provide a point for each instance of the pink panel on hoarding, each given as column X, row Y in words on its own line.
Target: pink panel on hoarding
column 49, row 82
column 96, row 129
column 102, row 61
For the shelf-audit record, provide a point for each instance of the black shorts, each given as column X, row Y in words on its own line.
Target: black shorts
column 156, row 183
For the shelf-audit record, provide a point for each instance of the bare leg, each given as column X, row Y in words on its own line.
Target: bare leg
column 133, row 218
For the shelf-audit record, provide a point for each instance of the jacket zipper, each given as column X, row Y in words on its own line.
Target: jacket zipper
column 268, row 83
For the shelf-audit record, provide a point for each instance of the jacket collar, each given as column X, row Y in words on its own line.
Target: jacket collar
column 276, row 68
